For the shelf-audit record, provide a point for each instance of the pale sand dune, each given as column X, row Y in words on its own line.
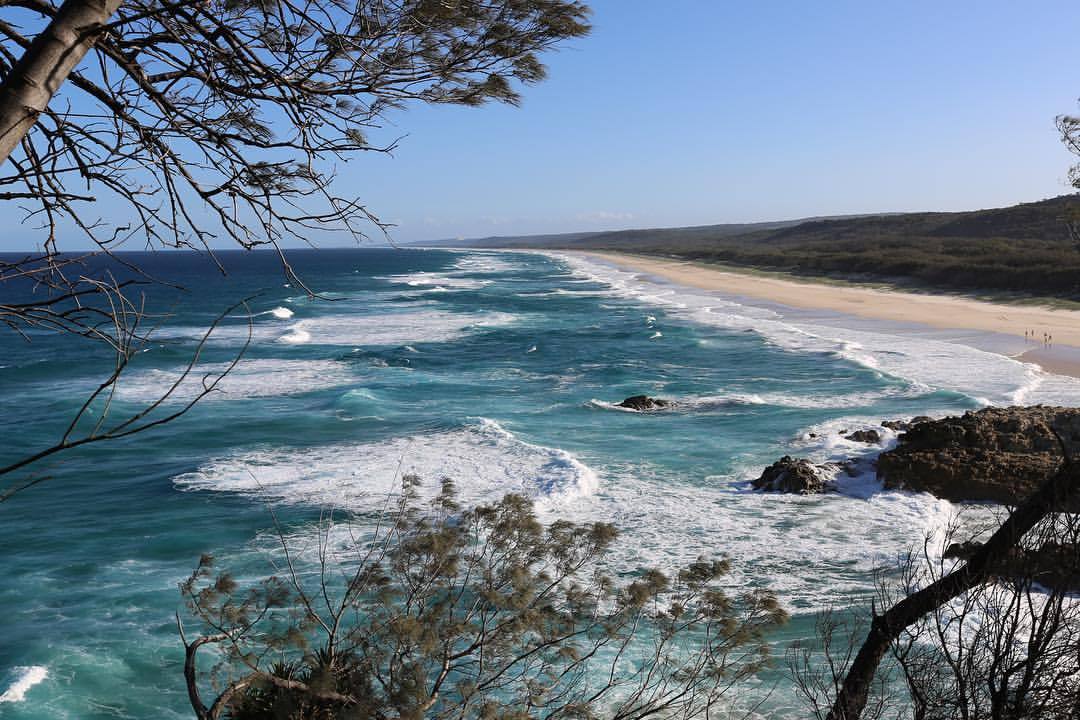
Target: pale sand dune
column 939, row 311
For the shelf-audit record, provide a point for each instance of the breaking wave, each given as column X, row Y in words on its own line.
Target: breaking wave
column 24, row 678
column 256, row 378
column 484, row 460
column 437, row 280
column 353, row 330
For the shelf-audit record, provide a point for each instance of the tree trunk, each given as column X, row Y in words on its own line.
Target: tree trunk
column 885, row 628
column 46, row 64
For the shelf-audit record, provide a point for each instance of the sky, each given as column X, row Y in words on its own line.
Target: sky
column 693, row 112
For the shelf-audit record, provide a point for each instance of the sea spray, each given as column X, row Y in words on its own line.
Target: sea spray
column 23, row 678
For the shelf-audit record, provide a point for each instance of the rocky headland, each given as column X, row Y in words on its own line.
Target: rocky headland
column 996, row 454
column 999, row 455
column 991, row 455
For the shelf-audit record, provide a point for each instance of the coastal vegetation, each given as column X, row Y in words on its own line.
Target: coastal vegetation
column 441, row 612
column 207, row 123
column 1028, row 249
column 221, row 122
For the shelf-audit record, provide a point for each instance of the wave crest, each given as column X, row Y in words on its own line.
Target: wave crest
column 24, row 679
column 484, row 459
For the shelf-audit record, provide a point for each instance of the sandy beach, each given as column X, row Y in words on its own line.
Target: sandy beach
column 937, row 311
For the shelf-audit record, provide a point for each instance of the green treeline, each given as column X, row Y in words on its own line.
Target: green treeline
column 1027, row 249
column 1024, row 249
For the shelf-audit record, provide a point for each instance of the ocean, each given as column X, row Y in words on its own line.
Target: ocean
column 500, row 370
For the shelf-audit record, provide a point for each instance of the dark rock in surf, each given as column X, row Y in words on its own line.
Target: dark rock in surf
column 854, row 467
column 870, row 437
column 791, row 475
column 644, row 403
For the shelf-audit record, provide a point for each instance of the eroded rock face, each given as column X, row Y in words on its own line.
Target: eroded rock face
column 643, row 403
column 791, row 475
column 994, row 454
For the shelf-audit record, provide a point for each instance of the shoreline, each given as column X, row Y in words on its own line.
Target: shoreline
column 940, row 312
column 1065, row 363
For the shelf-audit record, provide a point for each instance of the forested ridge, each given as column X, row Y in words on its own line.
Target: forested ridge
column 1027, row 248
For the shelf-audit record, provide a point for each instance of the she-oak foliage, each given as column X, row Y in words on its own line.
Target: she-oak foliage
column 141, row 124
column 485, row 613
column 225, row 118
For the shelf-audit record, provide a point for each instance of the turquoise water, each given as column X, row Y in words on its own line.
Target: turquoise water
column 496, row 369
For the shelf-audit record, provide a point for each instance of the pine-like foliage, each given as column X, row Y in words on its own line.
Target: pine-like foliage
column 481, row 613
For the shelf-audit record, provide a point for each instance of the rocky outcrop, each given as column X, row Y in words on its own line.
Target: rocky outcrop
column 644, row 403
column 996, row 454
column 1053, row 565
column 791, row 475
column 870, row 437
column 902, row 425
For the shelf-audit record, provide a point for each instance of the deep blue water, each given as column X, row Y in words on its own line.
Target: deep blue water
column 497, row 369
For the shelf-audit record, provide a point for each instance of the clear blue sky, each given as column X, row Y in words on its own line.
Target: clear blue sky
column 694, row 112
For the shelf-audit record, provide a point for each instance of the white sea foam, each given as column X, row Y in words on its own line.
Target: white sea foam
column 830, row 441
column 281, row 313
column 296, row 336
column 800, row 546
column 392, row 328
column 481, row 263
column 437, row 280
column 563, row 292
column 24, row 678
column 484, row 459
column 932, row 362
column 354, row 329
column 734, row 399
column 256, row 378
